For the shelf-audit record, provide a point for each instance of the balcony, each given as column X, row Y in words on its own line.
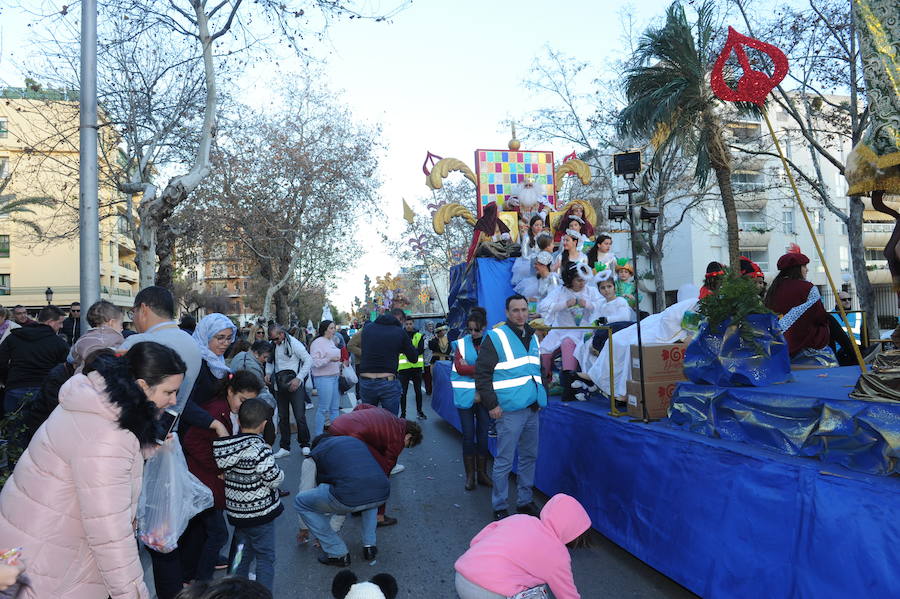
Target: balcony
column 750, row 199
column 880, row 276
column 128, row 273
column 754, row 236
column 877, row 235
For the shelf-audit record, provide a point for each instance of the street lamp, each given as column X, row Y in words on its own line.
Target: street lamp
column 49, row 295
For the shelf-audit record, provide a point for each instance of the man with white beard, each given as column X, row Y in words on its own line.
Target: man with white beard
column 529, row 201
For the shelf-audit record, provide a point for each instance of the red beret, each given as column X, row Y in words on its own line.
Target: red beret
column 792, row 259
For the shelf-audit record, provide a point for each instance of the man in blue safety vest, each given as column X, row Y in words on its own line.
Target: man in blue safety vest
column 508, row 381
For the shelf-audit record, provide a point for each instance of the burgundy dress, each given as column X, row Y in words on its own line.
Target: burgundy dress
column 804, row 319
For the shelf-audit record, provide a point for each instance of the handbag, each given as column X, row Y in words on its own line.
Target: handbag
column 283, row 379
column 347, row 380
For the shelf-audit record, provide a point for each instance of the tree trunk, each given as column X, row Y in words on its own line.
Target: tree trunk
column 165, row 252
column 281, row 307
column 656, row 265
column 864, row 290
column 723, row 178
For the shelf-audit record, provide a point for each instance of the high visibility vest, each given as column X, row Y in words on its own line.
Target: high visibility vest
column 517, row 375
column 405, row 364
column 463, row 386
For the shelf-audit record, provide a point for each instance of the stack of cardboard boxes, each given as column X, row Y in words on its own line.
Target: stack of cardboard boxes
column 663, row 369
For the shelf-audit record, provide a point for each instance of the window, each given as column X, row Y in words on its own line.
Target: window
column 4, row 128
column 761, row 257
column 818, row 217
column 787, row 218
column 218, row 271
column 745, row 181
column 4, row 167
column 752, row 221
column 4, row 246
column 4, row 285
column 112, row 251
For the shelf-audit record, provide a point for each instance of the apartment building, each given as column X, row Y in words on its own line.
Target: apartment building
column 39, row 160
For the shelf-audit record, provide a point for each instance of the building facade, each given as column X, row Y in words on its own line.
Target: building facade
column 39, row 160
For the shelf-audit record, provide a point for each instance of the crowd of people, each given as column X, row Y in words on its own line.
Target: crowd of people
column 82, row 418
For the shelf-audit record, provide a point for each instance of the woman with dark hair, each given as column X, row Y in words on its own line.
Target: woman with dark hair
column 601, row 253
column 207, row 533
column 473, row 416
column 524, row 265
column 803, row 318
column 516, row 554
column 75, row 527
column 571, row 254
column 326, row 369
column 713, row 278
column 571, row 305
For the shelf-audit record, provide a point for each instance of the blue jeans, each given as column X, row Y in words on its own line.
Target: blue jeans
column 259, row 544
column 316, row 507
column 329, row 402
column 381, row 391
column 216, row 537
column 515, row 430
column 15, row 398
column 474, row 422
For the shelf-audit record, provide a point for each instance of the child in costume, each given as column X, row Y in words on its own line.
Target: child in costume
column 570, row 253
column 626, row 286
column 573, row 304
column 602, row 253
column 537, row 286
column 530, row 244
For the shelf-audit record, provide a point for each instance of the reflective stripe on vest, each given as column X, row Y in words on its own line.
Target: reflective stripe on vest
column 463, row 386
column 404, row 364
column 517, row 376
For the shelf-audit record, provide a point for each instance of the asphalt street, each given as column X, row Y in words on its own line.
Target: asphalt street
column 437, row 518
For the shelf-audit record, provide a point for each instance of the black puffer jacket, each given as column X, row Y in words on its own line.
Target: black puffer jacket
column 28, row 354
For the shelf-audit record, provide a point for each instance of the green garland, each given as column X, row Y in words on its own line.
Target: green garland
column 736, row 298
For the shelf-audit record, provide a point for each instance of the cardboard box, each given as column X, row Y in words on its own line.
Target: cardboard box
column 659, row 394
column 663, row 362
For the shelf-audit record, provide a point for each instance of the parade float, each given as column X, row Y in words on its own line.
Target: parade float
column 755, row 486
column 509, row 185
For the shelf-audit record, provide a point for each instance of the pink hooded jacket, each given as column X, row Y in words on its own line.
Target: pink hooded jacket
column 521, row 552
column 73, row 497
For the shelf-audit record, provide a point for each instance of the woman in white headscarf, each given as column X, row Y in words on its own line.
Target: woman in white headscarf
column 214, row 334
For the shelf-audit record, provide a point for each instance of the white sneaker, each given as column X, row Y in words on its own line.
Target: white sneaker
column 397, row 469
column 305, row 450
column 309, row 406
column 281, row 453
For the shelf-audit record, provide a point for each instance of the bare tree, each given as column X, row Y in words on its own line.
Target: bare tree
column 196, row 35
column 290, row 188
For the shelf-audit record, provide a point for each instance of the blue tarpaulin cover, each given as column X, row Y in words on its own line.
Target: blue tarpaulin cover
column 724, row 519
column 812, row 417
column 494, row 287
column 727, row 358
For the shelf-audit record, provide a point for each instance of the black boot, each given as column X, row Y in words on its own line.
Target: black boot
column 566, row 377
column 469, row 462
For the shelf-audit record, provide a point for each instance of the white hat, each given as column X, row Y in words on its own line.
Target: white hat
column 545, row 258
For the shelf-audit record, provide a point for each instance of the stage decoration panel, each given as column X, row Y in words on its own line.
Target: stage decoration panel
column 501, row 173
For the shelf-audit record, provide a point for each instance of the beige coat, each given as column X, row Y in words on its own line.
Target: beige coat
column 72, row 499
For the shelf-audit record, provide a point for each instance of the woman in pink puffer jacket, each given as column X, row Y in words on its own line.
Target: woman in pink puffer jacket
column 72, row 499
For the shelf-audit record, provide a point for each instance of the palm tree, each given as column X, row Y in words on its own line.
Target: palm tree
column 670, row 99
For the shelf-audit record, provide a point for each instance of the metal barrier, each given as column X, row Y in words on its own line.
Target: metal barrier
column 613, row 411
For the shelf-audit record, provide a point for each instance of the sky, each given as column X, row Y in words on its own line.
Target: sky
column 440, row 77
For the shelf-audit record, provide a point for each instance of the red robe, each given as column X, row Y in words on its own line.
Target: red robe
column 811, row 328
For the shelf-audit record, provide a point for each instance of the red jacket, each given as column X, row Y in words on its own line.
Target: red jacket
column 198, row 451
column 381, row 431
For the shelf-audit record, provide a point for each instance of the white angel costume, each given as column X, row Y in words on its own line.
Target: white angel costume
column 616, row 310
column 608, row 258
column 538, row 288
column 664, row 327
column 556, row 313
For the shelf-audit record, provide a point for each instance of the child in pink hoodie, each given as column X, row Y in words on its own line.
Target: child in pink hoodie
column 522, row 552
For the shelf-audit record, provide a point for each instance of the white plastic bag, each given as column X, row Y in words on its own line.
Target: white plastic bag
column 170, row 496
column 349, row 374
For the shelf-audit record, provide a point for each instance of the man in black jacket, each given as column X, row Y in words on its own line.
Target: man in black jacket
column 349, row 480
column 381, row 343
column 27, row 356
column 71, row 326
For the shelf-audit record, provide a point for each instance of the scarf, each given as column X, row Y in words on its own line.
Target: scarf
column 206, row 329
